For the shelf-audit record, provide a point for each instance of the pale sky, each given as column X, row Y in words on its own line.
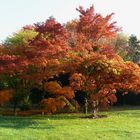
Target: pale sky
column 14, row 14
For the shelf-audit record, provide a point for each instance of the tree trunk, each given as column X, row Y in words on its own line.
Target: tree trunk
column 95, row 114
column 95, row 108
column 14, row 109
column 43, row 113
column 86, row 106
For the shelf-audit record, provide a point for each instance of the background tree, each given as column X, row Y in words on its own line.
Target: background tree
column 119, row 44
column 134, row 49
column 21, row 38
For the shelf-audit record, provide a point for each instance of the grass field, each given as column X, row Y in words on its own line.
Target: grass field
column 121, row 124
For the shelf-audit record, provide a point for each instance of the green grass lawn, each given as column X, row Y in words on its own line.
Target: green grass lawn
column 121, row 124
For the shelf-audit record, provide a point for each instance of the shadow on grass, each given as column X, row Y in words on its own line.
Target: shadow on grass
column 125, row 108
column 129, row 111
column 33, row 122
column 64, row 116
column 23, row 122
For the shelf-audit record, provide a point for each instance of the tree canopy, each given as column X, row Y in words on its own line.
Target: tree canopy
column 75, row 48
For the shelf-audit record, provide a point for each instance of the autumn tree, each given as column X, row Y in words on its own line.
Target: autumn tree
column 76, row 48
column 101, row 71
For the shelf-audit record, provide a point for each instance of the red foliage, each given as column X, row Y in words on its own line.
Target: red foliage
column 94, row 25
column 12, row 64
column 77, row 80
column 55, row 89
column 67, row 92
column 53, row 104
column 51, row 87
column 5, row 96
column 49, row 105
column 76, row 49
column 28, row 27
